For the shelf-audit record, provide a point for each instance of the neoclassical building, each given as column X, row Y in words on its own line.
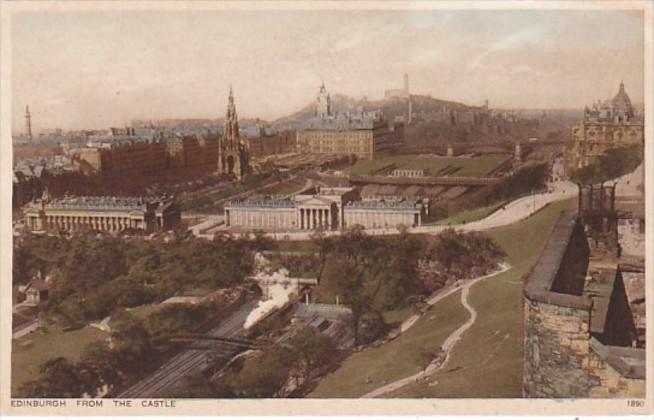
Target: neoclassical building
column 374, row 214
column 326, row 209
column 606, row 125
column 104, row 214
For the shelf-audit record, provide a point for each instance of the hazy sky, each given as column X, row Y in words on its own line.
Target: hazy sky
column 98, row 69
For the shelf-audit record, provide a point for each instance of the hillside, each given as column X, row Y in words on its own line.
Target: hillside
column 390, row 107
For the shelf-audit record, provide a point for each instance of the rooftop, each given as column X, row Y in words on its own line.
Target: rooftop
column 384, row 204
column 99, row 203
column 263, row 203
column 344, row 121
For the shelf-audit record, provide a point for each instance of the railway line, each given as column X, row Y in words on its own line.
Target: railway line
column 195, row 358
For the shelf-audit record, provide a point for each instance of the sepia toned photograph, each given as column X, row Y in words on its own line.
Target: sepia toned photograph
column 413, row 203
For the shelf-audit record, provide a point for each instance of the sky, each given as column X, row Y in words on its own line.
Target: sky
column 98, row 69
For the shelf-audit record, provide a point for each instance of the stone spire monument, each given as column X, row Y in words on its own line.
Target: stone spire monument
column 233, row 158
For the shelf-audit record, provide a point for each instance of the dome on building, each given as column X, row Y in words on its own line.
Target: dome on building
column 621, row 102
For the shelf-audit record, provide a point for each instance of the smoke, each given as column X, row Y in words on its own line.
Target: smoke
column 279, row 292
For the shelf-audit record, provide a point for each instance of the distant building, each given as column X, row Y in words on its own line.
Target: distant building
column 363, row 134
column 271, row 145
column 31, row 174
column 36, row 291
column 166, row 156
column 383, row 213
column 103, row 214
column 327, row 209
column 606, row 125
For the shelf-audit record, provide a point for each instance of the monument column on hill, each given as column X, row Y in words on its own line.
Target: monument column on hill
column 28, row 123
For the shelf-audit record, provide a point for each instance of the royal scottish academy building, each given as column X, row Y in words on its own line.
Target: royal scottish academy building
column 102, row 214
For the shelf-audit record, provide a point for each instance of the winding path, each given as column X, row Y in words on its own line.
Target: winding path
column 449, row 342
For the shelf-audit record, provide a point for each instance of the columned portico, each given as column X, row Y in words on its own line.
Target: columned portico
column 312, row 218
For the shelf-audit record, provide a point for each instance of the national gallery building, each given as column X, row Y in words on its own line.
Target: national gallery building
column 326, row 209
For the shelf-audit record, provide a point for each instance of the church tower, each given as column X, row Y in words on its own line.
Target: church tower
column 233, row 158
column 323, row 103
column 28, row 123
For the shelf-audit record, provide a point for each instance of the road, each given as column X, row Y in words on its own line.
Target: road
column 192, row 360
column 513, row 212
column 449, row 342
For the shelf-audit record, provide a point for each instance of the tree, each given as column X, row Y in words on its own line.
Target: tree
column 58, row 379
column 264, row 375
column 612, row 164
column 98, row 367
column 316, row 349
column 131, row 342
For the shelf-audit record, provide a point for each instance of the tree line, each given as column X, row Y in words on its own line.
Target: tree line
column 93, row 275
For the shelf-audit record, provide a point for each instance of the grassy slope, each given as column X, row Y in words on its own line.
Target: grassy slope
column 30, row 352
column 397, row 359
column 467, row 216
column 284, row 188
column 477, row 166
column 487, row 362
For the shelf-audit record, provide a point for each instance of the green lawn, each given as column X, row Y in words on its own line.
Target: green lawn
column 30, row 352
column 468, row 216
column 285, row 188
column 398, row 315
column 475, row 166
column 399, row 358
column 487, row 362
column 143, row 311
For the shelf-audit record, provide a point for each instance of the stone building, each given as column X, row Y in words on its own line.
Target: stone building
column 606, row 125
column 327, row 209
column 373, row 214
column 580, row 336
column 233, row 157
column 364, row 134
column 163, row 157
column 262, row 214
column 276, row 144
column 322, row 209
column 36, row 291
column 103, row 214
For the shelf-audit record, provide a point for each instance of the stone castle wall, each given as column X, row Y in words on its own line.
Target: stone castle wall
column 563, row 361
column 556, row 350
column 563, row 358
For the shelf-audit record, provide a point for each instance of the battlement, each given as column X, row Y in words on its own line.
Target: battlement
column 579, row 330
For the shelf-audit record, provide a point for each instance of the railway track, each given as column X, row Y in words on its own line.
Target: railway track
column 196, row 358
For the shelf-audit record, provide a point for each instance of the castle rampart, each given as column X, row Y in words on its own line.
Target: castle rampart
column 572, row 324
